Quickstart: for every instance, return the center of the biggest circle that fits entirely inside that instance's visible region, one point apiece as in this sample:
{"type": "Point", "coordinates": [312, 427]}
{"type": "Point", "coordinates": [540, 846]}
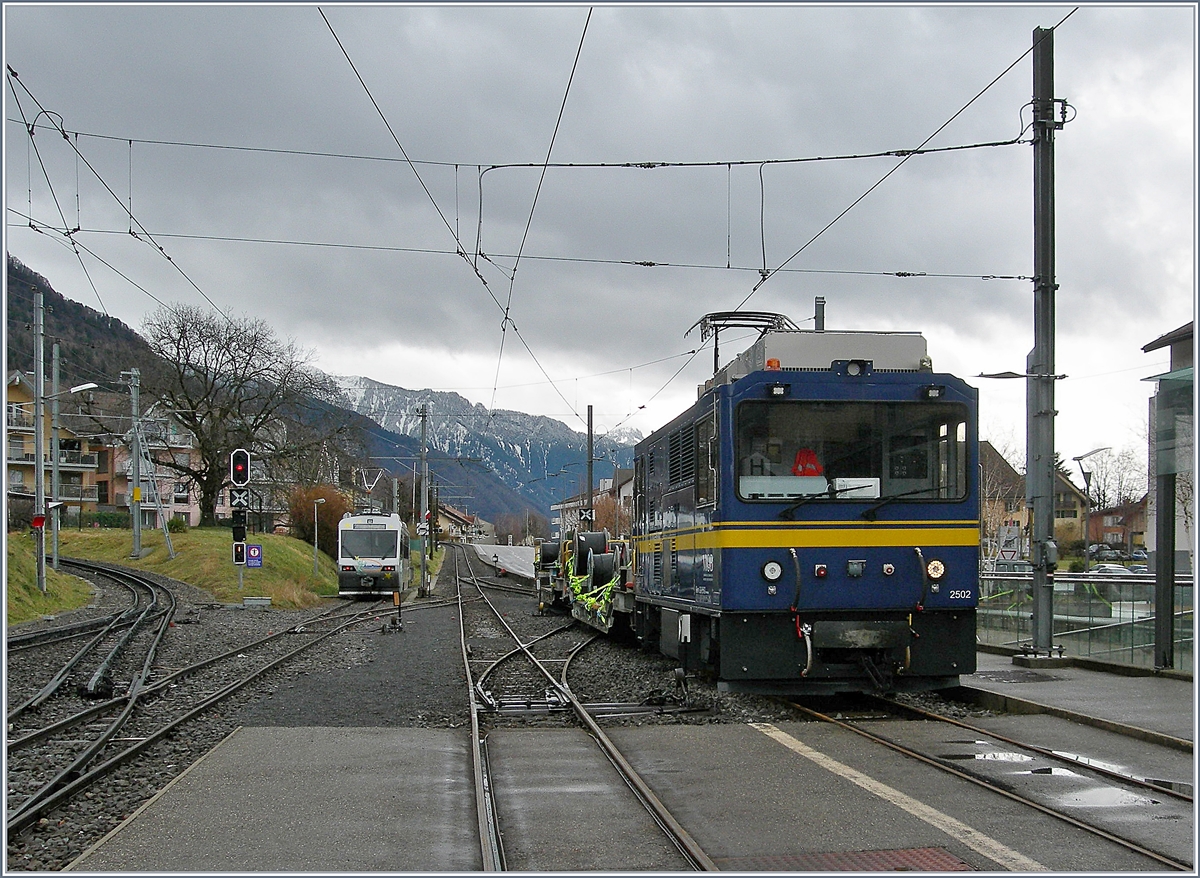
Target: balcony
{"type": "Point", "coordinates": [82, 459]}
{"type": "Point", "coordinates": [169, 440]}
{"type": "Point", "coordinates": [71, 459]}
{"type": "Point", "coordinates": [81, 493]}
{"type": "Point", "coordinates": [19, 420]}
{"type": "Point", "coordinates": [66, 493]}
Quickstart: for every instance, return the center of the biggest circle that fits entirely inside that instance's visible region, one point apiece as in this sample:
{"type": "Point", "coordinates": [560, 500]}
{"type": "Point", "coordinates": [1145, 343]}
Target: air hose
{"type": "Point", "coordinates": [803, 629]}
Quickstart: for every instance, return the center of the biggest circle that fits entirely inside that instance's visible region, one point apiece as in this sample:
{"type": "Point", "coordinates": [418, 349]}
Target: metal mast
{"type": "Point", "coordinates": [1040, 377]}
{"type": "Point", "coordinates": [39, 439]}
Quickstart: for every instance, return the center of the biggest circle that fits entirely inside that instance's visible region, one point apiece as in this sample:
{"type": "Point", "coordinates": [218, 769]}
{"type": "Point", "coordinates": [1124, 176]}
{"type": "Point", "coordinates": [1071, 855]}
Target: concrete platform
{"type": "Point", "coordinates": [1163, 706]}
{"type": "Point", "coordinates": [307, 800]}
{"type": "Point", "coordinates": [281, 798]}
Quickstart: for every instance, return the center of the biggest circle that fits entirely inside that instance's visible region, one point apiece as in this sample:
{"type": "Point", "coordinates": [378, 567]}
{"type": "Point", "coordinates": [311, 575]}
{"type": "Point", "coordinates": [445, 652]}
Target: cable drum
{"type": "Point", "coordinates": [601, 568]}
{"type": "Point", "coordinates": [586, 543]}
{"type": "Point", "coordinates": [548, 554]}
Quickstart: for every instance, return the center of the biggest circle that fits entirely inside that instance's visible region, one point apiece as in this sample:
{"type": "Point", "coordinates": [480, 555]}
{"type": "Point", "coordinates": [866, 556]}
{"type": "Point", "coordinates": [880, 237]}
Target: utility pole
{"type": "Point", "coordinates": [1040, 377]}
{"type": "Point", "coordinates": [39, 438]}
{"type": "Point", "coordinates": [55, 486]}
{"type": "Point", "coordinates": [591, 510]}
{"type": "Point", "coordinates": [135, 493]}
{"type": "Point", "coordinates": [425, 523]}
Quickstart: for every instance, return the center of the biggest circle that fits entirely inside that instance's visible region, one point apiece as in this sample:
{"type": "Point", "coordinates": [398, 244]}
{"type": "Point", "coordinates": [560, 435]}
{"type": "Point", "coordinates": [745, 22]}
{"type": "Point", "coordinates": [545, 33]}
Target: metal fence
{"type": "Point", "coordinates": [1110, 618]}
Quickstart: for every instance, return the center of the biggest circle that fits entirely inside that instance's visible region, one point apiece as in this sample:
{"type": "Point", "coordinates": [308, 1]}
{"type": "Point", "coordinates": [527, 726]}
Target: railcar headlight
{"type": "Point", "coordinates": [936, 569]}
{"type": "Point", "coordinates": [772, 571]}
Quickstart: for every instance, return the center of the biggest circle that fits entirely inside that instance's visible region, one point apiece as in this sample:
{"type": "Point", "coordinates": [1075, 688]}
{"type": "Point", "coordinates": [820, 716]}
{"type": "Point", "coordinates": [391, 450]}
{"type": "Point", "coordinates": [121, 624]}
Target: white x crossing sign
{"type": "Point", "coordinates": [239, 498]}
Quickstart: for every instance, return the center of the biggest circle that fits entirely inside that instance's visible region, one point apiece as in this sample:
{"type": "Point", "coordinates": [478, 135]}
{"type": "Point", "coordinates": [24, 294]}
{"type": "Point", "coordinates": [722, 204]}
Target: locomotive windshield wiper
{"type": "Point", "coordinates": [869, 512]}
{"type": "Point", "coordinates": [832, 492]}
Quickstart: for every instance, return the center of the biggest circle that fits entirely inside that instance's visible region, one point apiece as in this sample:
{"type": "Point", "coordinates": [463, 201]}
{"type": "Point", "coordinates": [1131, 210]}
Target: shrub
{"type": "Point", "coordinates": [177, 526]}
{"type": "Point", "coordinates": [106, 519]}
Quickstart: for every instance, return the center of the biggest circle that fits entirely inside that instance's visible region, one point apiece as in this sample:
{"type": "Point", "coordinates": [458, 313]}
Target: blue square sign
{"type": "Point", "coordinates": [253, 555]}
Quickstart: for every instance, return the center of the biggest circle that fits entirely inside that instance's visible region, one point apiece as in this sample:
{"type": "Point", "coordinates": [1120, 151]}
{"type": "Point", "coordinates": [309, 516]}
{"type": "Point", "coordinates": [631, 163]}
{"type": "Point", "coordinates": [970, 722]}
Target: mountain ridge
{"type": "Point", "coordinates": [531, 454]}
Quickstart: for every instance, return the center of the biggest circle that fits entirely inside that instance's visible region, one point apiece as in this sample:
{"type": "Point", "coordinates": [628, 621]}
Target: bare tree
{"type": "Point", "coordinates": [232, 383]}
{"type": "Point", "coordinates": [1001, 491]}
{"type": "Point", "coordinates": [1117, 479]}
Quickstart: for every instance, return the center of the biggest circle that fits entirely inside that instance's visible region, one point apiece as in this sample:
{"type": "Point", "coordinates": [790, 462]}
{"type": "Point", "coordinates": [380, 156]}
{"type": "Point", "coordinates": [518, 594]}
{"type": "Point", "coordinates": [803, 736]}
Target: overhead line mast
{"type": "Point", "coordinates": [1039, 367]}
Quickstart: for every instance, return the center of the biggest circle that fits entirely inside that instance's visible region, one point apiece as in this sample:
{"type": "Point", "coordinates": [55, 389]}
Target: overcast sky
{"type": "Point", "coordinates": [352, 252]}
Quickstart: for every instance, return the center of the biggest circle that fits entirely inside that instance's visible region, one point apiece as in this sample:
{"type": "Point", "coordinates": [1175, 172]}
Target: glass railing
{"type": "Point", "coordinates": [1109, 618]}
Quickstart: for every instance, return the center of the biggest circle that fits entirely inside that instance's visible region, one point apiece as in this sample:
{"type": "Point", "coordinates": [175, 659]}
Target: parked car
{"type": "Point", "coordinates": [1138, 568]}
{"type": "Point", "coordinates": [1139, 555]}
{"type": "Point", "coordinates": [1111, 570]}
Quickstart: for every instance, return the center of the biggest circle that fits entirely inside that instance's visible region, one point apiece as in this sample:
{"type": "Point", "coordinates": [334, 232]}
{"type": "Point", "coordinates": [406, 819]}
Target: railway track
{"type": "Point", "coordinates": [513, 670]}
{"type": "Point", "coordinates": [112, 701]}
{"type": "Point", "coordinates": [1033, 758]}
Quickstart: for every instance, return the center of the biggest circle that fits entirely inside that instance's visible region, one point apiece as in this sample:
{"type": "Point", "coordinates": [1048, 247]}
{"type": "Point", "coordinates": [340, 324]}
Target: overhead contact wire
{"type": "Point", "coordinates": [407, 159]}
{"type": "Point", "coordinates": [532, 208]}
{"type": "Point", "coordinates": [899, 164]}
{"type": "Point", "coordinates": [149, 239]}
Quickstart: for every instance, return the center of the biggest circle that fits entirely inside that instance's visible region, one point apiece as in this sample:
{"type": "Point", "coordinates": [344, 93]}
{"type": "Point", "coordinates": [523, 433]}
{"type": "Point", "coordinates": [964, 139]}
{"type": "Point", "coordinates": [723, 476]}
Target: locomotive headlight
{"type": "Point", "coordinates": [772, 571]}
{"type": "Point", "coordinates": [936, 569]}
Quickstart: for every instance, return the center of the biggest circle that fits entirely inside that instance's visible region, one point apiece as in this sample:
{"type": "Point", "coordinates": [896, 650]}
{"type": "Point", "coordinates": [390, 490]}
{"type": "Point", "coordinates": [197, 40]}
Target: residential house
{"type": "Point", "coordinates": [165, 493]}
{"type": "Point", "coordinates": [1122, 526]}
{"type": "Point", "coordinates": [454, 525]}
{"type": "Point", "coordinates": [77, 458]}
{"type": "Point", "coordinates": [1001, 499]}
{"type": "Point", "coordinates": [612, 503]}
{"type": "Point", "coordinates": [1069, 505]}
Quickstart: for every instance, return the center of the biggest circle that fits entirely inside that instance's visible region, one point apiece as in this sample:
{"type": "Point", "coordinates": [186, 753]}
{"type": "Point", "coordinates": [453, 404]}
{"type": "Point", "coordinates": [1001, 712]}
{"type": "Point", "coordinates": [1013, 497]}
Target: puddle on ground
{"type": "Point", "coordinates": [1106, 797]}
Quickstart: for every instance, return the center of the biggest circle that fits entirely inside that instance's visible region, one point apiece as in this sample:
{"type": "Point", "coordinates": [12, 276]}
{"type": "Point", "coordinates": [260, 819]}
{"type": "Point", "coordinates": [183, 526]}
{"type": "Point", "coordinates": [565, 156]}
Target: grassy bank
{"type": "Point", "coordinates": [24, 600]}
{"type": "Point", "coordinates": [203, 558]}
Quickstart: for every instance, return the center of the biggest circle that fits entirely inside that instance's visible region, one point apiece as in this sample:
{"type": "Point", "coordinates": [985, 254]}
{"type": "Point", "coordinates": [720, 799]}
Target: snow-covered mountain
{"type": "Point", "coordinates": [539, 457]}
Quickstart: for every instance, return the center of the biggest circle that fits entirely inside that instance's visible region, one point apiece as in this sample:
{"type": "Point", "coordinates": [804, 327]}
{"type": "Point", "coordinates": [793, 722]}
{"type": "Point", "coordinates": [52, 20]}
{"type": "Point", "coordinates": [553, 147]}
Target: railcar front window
{"type": "Point", "coordinates": [368, 544]}
{"type": "Point", "coordinates": [851, 450]}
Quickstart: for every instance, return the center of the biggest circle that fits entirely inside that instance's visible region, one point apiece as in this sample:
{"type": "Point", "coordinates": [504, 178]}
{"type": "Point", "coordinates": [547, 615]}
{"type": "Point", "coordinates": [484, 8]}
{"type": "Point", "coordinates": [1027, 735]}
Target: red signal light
{"type": "Point", "coordinates": [239, 467]}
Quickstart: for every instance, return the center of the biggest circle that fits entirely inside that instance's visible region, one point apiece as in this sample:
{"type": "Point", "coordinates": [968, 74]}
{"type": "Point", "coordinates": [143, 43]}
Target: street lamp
{"type": "Point", "coordinates": [316, 503]}
{"type": "Point", "coordinates": [1087, 509]}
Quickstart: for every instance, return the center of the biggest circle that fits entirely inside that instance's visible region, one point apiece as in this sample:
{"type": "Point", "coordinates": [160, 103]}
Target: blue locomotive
{"type": "Point", "coordinates": [810, 524]}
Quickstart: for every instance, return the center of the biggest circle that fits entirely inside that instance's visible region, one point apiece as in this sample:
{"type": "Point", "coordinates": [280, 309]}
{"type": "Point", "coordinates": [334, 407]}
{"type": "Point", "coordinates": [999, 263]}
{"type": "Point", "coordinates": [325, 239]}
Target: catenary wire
{"type": "Point", "coordinates": [409, 161]}
{"type": "Point", "coordinates": [533, 207]}
{"type": "Point", "coordinates": [640, 263]}
{"type": "Point", "coordinates": [13, 77]}
{"type": "Point", "coordinates": [767, 275]}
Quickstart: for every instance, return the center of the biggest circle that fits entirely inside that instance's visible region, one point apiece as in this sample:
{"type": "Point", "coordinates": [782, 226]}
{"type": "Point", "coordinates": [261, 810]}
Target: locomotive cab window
{"type": "Point", "coordinates": [851, 451]}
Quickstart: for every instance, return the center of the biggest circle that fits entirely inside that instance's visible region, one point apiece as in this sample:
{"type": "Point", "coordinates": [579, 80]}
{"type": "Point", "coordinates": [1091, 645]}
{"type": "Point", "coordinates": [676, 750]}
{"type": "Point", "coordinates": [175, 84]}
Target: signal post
{"type": "Point", "coordinates": [239, 500]}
